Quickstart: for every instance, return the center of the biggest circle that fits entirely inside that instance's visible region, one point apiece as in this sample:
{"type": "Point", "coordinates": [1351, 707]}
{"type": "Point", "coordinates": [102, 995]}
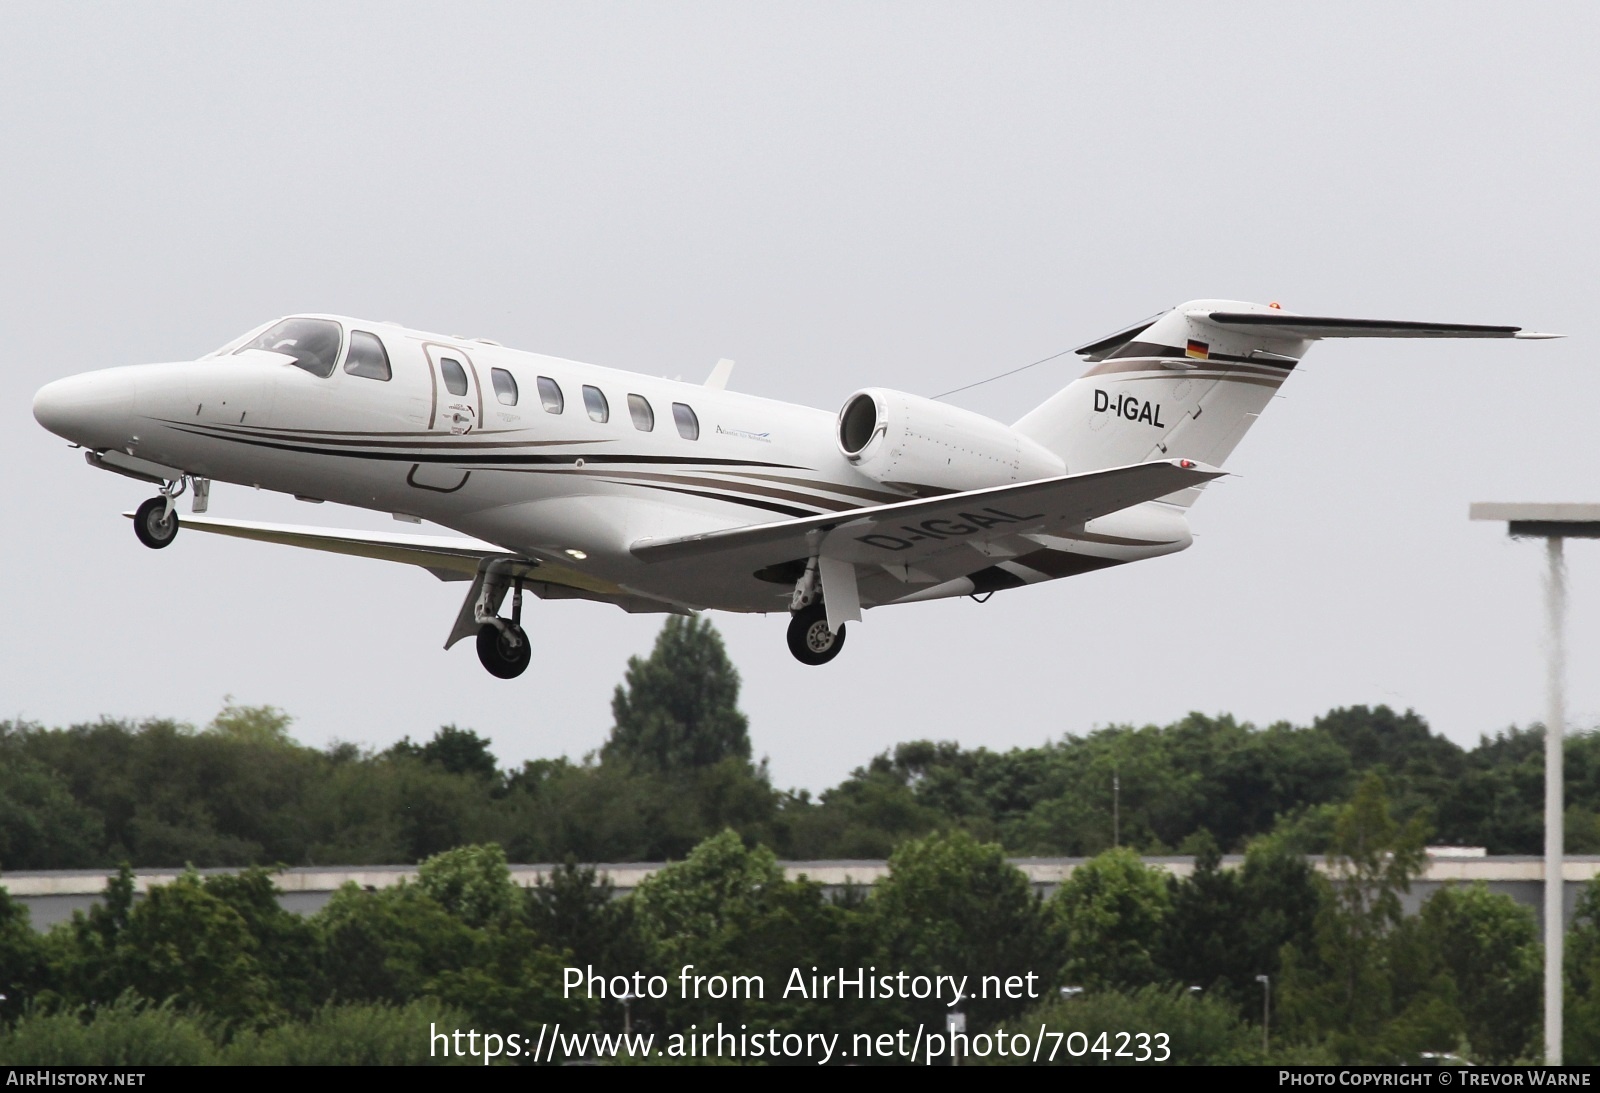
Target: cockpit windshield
{"type": "Point", "coordinates": [313, 343]}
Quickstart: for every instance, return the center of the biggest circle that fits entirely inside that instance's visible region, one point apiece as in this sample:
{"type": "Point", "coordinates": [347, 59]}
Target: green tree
{"type": "Point", "coordinates": [1204, 933]}
{"type": "Point", "coordinates": [361, 1034]}
{"type": "Point", "coordinates": [1281, 896]}
{"type": "Point", "coordinates": [126, 1032]}
{"type": "Point", "coordinates": [389, 809]}
{"type": "Point", "coordinates": [512, 981]}
{"type": "Point", "coordinates": [253, 724]}
{"type": "Point", "coordinates": [181, 943]}
{"type": "Point", "coordinates": [1581, 1030]}
{"type": "Point", "coordinates": [1196, 1031]}
{"type": "Point", "coordinates": [1110, 913]}
{"type": "Point", "coordinates": [459, 751]}
{"type": "Point", "coordinates": [1489, 943]}
{"type": "Point", "coordinates": [390, 945]}
{"type": "Point", "coordinates": [41, 826]}
{"type": "Point", "coordinates": [1375, 991]}
{"type": "Point", "coordinates": [678, 709]}
{"type": "Point", "coordinates": [22, 958]}
{"type": "Point", "coordinates": [728, 910]}
{"type": "Point", "coordinates": [471, 882]}
{"type": "Point", "coordinates": [954, 906]}
{"type": "Point", "coordinates": [574, 908]}
{"type": "Point", "coordinates": [286, 947]}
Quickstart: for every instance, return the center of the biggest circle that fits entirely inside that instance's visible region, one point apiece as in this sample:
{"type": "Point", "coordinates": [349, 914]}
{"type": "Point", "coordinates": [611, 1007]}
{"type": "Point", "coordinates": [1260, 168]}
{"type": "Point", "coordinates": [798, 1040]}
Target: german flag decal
{"type": "Point", "coordinates": [1198, 349]}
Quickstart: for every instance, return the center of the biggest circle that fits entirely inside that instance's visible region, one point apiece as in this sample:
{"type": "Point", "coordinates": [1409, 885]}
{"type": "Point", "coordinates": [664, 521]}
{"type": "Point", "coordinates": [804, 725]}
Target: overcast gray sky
{"type": "Point", "coordinates": [835, 195]}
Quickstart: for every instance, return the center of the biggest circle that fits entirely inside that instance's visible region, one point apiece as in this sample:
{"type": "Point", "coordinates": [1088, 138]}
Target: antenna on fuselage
{"type": "Point", "coordinates": [718, 380]}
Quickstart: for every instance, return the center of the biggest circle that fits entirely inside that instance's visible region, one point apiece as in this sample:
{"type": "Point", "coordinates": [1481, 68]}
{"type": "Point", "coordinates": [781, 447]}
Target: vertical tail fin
{"type": "Point", "coordinates": [1191, 382]}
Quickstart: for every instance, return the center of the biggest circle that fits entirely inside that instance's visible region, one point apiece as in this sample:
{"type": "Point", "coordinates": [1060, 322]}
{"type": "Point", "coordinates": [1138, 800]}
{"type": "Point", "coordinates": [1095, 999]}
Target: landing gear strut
{"type": "Point", "coordinates": [810, 640]}
{"type": "Point", "coordinates": [156, 521]}
{"type": "Point", "coordinates": [503, 647]}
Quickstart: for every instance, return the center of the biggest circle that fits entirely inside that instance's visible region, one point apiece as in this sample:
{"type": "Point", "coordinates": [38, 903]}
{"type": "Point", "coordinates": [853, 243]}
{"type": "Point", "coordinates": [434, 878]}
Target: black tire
{"type": "Point", "coordinates": [505, 653]}
{"type": "Point", "coordinates": [153, 531]}
{"type": "Point", "coordinates": [810, 640]}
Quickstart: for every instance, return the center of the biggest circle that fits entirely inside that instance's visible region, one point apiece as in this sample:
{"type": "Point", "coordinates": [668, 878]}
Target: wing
{"type": "Point", "coordinates": [936, 534]}
{"type": "Point", "coordinates": [450, 558]}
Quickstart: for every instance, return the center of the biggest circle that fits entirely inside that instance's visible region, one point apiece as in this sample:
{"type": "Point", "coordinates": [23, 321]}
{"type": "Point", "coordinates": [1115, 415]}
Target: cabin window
{"type": "Point", "coordinates": [455, 377]}
{"type": "Point", "coordinates": [644, 418]}
{"type": "Point", "coordinates": [688, 425]}
{"type": "Point", "coordinates": [313, 343]}
{"type": "Point", "coordinates": [366, 356]}
{"type": "Point", "coordinates": [505, 386]}
{"type": "Point", "coordinates": [550, 395]}
{"type": "Point", "coordinates": [595, 402]}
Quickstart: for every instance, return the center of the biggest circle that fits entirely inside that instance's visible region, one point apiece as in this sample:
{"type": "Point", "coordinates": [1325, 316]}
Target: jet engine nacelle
{"type": "Point", "coordinates": [904, 440]}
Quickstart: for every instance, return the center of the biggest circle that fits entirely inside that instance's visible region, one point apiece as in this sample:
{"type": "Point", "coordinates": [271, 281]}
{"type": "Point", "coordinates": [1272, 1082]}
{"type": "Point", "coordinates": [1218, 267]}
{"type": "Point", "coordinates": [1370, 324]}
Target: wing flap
{"type": "Point", "coordinates": [439, 554]}
{"type": "Point", "coordinates": [916, 533]}
{"type": "Point", "coordinates": [450, 558]}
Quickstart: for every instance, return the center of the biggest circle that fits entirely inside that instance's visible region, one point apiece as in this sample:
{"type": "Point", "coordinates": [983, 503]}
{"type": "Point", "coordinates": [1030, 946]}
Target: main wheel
{"type": "Point", "coordinates": [505, 653]}
{"type": "Point", "coordinates": [810, 640]}
{"type": "Point", "coordinates": [154, 527]}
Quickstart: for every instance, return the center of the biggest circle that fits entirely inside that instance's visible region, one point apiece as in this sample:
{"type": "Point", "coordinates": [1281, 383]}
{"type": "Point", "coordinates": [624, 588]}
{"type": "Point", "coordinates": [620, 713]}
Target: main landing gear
{"type": "Point", "coordinates": [810, 640]}
{"type": "Point", "coordinates": [503, 647]}
{"type": "Point", "coordinates": [156, 521]}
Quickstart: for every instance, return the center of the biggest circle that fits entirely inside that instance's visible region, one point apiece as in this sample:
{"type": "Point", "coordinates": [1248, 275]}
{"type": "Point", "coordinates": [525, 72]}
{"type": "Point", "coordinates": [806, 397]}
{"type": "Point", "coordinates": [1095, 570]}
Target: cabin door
{"type": "Point", "coordinates": [457, 397]}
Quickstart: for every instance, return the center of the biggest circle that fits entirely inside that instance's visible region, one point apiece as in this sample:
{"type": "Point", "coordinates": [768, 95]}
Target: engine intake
{"type": "Point", "coordinates": [912, 442]}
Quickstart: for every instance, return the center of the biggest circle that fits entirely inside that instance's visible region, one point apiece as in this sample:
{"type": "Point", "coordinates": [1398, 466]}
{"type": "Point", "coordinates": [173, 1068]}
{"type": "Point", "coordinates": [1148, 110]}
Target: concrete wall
{"type": "Point", "coordinates": [52, 896]}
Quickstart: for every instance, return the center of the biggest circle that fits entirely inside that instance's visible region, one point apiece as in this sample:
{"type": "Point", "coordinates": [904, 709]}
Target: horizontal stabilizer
{"type": "Point", "coordinates": [906, 532]}
{"type": "Point", "coordinates": [1316, 326]}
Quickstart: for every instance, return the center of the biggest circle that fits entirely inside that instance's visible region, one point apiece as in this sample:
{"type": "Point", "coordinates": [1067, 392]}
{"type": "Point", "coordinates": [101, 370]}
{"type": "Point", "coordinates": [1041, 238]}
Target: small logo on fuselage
{"type": "Point", "coordinates": [745, 434]}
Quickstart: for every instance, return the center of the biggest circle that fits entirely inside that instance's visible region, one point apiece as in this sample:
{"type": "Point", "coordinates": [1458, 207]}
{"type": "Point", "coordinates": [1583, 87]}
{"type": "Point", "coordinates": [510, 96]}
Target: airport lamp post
{"type": "Point", "coordinates": [1554, 524]}
{"type": "Point", "coordinates": [1266, 1009]}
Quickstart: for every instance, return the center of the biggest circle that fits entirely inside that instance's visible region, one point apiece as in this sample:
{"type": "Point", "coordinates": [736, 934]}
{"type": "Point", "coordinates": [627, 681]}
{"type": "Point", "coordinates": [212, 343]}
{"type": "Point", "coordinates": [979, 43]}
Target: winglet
{"type": "Point", "coordinates": [718, 380]}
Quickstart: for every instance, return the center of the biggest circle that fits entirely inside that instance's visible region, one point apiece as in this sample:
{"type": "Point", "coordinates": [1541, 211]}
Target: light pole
{"type": "Point", "coordinates": [626, 998]}
{"type": "Point", "coordinates": [1266, 1009]}
{"type": "Point", "coordinates": [1554, 524]}
{"type": "Point", "coordinates": [1116, 808]}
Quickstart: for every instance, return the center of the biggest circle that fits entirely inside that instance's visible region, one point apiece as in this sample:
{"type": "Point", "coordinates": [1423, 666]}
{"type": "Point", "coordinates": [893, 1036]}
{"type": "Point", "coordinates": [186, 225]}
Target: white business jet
{"type": "Point", "coordinates": [577, 481]}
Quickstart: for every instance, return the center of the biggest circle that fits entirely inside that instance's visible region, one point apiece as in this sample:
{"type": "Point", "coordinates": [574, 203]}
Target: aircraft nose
{"type": "Point", "coordinates": [94, 409]}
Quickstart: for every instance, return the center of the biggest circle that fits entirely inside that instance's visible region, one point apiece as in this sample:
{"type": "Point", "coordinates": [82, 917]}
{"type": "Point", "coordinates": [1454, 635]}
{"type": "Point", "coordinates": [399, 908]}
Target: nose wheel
{"type": "Point", "coordinates": [810, 640]}
{"type": "Point", "coordinates": [156, 522]}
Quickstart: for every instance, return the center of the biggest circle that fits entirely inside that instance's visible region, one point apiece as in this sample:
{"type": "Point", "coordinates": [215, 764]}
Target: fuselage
{"type": "Point", "coordinates": [556, 460]}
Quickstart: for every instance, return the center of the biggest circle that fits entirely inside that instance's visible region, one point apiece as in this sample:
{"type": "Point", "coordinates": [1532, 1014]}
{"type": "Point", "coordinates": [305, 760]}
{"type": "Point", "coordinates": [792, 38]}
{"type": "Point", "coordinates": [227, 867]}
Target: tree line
{"type": "Point", "coordinates": [211, 968]}
{"type": "Point", "coordinates": [677, 769]}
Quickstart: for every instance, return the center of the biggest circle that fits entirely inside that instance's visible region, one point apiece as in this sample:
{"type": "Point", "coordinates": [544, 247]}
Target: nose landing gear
{"type": "Point", "coordinates": [156, 521]}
